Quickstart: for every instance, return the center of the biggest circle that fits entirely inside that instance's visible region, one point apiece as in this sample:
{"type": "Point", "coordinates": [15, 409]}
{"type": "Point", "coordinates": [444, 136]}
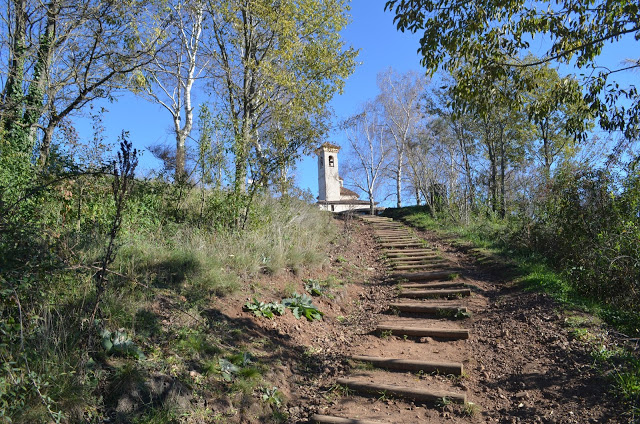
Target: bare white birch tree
{"type": "Point", "coordinates": [400, 98]}
{"type": "Point", "coordinates": [170, 78]}
{"type": "Point", "coordinates": [369, 151]}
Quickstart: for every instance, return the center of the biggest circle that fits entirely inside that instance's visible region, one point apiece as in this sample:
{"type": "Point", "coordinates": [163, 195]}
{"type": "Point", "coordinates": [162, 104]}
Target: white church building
{"type": "Point", "coordinates": [333, 196]}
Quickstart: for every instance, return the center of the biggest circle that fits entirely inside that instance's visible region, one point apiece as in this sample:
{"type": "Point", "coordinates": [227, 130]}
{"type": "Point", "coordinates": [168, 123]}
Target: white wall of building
{"type": "Point", "coordinates": [328, 177]}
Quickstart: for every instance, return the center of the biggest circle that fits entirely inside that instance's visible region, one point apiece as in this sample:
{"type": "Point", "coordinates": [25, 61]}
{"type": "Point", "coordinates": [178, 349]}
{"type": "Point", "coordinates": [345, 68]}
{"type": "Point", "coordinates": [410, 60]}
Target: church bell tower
{"type": "Point", "coordinates": [328, 177]}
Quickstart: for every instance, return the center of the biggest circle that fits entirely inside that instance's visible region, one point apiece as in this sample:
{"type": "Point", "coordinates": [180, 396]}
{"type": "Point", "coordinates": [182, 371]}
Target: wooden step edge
{"type": "Point", "coordinates": [432, 259]}
{"type": "Point", "coordinates": [453, 368]}
{"type": "Point", "coordinates": [418, 267]}
{"type": "Point", "coordinates": [418, 249]}
{"type": "Point", "coordinates": [383, 246]}
{"type": "Point", "coordinates": [423, 265]}
{"type": "Point", "coordinates": [428, 309]}
{"type": "Point", "coordinates": [440, 333]}
{"type": "Point", "coordinates": [415, 258]}
{"type": "Point", "coordinates": [436, 285]}
{"type": "Point", "coordinates": [421, 262]}
{"type": "Point", "coordinates": [424, 276]}
{"type": "Point", "coordinates": [329, 419]}
{"type": "Point", "coordinates": [408, 254]}
{"type": "Point", "coordinates": [422, 250]}
{"type": "Point", "coordinates": [398, 230]}
{"type": "Point", "coordinates": [435, 293]}
{"type": "Point", "coordinates": [422, 395]}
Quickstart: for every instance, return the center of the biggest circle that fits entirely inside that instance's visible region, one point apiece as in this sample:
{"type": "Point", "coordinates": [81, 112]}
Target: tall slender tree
{"type": "Point", "coordinates": [369, 150]}
{"type": "Point", "coordinates": [276, 65]}
{"type": "Point", "coordinates": [169, 79]}
{"type": "Point", "coordinates": [400, 97]}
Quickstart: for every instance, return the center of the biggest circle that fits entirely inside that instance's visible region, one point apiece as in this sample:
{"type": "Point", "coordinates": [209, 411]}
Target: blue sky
{"type": "Point", "coordinates": [381, 46]}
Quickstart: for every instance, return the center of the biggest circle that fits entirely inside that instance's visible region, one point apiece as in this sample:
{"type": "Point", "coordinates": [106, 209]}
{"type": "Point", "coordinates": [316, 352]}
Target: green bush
{"type": "Point", "coordinates": [588, 225]}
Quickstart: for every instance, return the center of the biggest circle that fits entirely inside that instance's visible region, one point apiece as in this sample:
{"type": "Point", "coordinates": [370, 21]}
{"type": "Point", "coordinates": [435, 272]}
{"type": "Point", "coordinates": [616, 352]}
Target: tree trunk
{"type": "Point", "coordinates": [546, 149]}
{"type": "Point", "coordinates": [34, 101]}
{"type": "Point", "coordinates": [503, 201]}
{"type": "Point", "coordinates": [180, 173]}
{"type": "Point", "coordinates": [241, 158]}
{"type": "Point", "coordinates": [372, 204]}
{"type": "Point", "coordinates": [12, 96]}
{"type": "Point", "coordinates": [468, 175]}
{"type": "Point", "coordinates": [45, 146]}
{"type": "Point", "coordinates": [493, 177]}
{"type": "Point", "coordinates": [399, 179]}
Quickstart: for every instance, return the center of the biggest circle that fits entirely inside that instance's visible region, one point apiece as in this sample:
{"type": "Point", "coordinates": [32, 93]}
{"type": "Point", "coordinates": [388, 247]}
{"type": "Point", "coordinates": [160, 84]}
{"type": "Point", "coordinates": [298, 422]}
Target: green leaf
{"type": "Point", "coordinates": [227, 369]}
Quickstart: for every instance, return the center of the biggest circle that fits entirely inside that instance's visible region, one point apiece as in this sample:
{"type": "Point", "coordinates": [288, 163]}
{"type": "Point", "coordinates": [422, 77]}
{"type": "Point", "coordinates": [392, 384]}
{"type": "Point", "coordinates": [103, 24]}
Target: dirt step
{"type": "Point", "coordinates": [454, 368]}
{"type": "Point", "coordinates": [386, 226]}
{"type": "Point", "coordinates": [406, 253]}
{"type": "Point", "coordinates": [400, 240]}
{"type": "Point", "coordinates": [414, 256]}
{"type": "Point", "coordinates": [388, 239]}
{"type": "Point", "coordinates": [402, 245]}
{"type": "Point", "coordinates": [419, 294]}
{"type": "Point", "coordinates": [415, 260]}
{"type": "Point", "coordinates": [440, 333]}
{"type": "Point", "coordinates": [423, 308]}
{"type": "Point", "coordinates": [418, 256]}
{"type": "Point", "coordinates": [428, 286]}
{"type": "Point", "coordinates": [391, 231]}
{"type": "Point", "coordinates": [416, 394]}
{"type": "Point", "coordinates": [423, 276]}
{"type": "Point", "coordinates": [328, 419]}
{"type": "Point", "coordinates": [421, 267]}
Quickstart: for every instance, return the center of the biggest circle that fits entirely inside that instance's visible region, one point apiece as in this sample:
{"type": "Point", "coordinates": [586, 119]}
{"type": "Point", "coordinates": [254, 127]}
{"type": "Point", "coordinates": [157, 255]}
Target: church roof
{"type": "Point", "coordinates": [344, 202]}
{"type": "Point", "coordinates": [346, 192]}
{"type": "Point", "coordinates": [328, 146]}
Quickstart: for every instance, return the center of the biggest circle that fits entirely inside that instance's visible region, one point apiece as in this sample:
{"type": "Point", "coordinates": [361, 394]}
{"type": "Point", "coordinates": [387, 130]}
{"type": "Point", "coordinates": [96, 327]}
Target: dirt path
{"type": "Point", "coordinates": [464, 345]}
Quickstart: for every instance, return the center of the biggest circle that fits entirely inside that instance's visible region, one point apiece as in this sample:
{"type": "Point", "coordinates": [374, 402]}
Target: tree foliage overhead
{"type": "Point", "coordinates": [276, 65]}
{"type": "Point", "coordinates": [487, 35]}
{"type": "Point", "coordinates": [59, 56]}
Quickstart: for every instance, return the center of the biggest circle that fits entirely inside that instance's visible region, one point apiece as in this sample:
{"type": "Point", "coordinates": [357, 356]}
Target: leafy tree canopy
{"type": "Point", "coordinates": [488, 34]}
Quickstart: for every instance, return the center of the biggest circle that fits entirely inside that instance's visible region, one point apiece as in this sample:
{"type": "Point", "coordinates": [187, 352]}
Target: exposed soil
{"type": "Point", "coordinates": [521, 364]}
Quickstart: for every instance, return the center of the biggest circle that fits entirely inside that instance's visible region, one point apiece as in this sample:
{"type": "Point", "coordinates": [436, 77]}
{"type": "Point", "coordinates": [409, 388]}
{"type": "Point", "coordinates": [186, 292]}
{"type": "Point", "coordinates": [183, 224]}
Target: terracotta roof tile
{"type": "Point", "coordinates": [346, 192]}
